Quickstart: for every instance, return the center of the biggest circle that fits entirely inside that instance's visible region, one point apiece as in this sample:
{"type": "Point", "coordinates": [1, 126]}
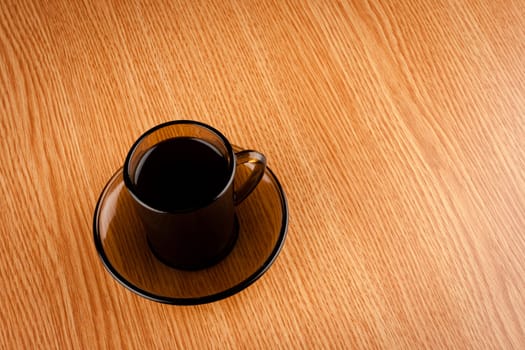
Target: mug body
{"type": "Point", "coordinates": [180, 176]}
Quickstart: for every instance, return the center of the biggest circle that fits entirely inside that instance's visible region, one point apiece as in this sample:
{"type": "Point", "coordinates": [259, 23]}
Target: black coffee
{"type": "Point", "coordinates": [181, 173]}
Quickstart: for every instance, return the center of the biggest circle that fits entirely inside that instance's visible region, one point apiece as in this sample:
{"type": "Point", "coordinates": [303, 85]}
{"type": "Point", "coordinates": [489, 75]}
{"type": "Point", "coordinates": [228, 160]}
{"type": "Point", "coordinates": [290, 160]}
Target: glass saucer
{"type": "Point", "coordinates": [121, 242]}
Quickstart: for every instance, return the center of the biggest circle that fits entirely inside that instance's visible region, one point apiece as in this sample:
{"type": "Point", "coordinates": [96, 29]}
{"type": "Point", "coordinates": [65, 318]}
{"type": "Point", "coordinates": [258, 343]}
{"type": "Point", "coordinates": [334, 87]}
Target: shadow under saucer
{"type": "Point", "coordinates": [121, 242]}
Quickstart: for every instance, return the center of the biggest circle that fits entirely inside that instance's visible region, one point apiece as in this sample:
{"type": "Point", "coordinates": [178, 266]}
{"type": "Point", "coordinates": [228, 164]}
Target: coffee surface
{"type": "Point", "coordinates": [181, 173]}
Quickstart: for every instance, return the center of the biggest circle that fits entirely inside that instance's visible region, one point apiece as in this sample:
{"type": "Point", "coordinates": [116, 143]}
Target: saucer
{"type": "Point", "coordinates": [122, 245]}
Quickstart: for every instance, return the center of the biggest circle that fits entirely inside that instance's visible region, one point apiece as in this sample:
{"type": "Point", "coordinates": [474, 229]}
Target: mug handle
{"type": "Point", "coordinates": [259, 162]}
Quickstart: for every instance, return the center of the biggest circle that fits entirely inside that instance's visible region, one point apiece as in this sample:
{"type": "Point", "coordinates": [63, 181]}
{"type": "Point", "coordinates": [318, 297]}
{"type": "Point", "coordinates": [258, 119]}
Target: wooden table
{"type": "Point", "coordinates": [396, 129]}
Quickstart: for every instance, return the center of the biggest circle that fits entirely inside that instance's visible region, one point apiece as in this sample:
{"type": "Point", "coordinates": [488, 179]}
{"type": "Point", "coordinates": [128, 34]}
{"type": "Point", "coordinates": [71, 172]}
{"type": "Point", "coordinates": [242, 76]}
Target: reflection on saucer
{"type": "Point", "coordinates": [121, 241]}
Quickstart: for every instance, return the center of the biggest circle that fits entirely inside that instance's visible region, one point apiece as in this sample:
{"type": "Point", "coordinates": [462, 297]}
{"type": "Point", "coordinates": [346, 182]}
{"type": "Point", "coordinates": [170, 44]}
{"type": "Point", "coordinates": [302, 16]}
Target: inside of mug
{"type": "Point", "coordinates": [174, 130]}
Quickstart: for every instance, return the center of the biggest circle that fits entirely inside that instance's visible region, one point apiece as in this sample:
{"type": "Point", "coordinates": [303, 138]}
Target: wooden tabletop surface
{"type": "Point", "coordinates": [395, 127]}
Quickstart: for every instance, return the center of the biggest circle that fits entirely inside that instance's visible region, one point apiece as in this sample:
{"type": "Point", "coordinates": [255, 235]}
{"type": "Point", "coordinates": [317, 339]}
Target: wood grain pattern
{"type": "Point", "coordinates": [396, 129]}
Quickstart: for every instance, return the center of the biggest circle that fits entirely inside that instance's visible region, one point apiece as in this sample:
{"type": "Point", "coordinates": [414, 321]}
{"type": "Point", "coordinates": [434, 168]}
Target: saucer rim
{"type": "Point", "coordinates": [246, 282]}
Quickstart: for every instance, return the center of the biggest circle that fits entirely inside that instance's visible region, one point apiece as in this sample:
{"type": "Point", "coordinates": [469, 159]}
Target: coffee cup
{"type": "Point", "coordinates": [180, 175]}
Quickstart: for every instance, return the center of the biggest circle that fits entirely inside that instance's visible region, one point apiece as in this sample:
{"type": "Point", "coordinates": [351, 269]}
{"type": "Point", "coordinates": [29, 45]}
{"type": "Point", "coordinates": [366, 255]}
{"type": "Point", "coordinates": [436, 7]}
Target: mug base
{"type": "Point", "coordinates": [204, 264]}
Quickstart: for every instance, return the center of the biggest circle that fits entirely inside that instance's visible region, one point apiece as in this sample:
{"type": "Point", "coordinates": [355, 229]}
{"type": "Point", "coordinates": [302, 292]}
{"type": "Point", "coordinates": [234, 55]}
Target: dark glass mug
{"type": "Point", "coordinates": [191, 225]}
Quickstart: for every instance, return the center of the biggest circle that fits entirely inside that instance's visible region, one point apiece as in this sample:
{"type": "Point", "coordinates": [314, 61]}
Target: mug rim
{"type": "Point", "coordinates": [231, 170]}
